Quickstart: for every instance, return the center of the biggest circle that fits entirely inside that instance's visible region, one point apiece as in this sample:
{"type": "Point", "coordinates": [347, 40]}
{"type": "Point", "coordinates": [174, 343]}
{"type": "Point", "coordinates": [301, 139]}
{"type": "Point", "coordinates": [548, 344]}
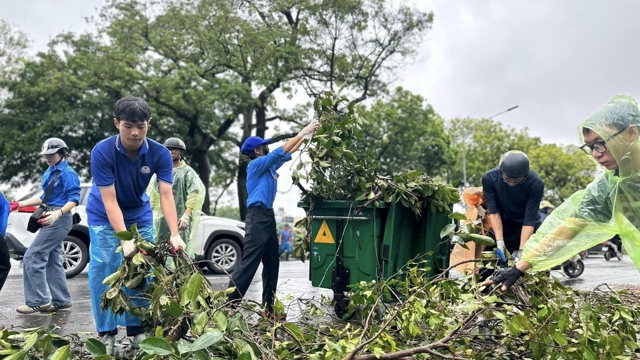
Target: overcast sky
{"type": "Point", "coordinates": [558, 60]}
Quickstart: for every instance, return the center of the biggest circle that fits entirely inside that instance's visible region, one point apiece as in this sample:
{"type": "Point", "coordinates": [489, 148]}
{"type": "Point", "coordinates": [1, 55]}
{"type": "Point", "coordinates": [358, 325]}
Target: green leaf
{"type": "Point", "coordinates": [200, 322]}
{"type": "Point", "coordinates": [62, 353]}
{"type": "Point", "coordinates": [184, 347]}
{"type": "Point", "coordinates": [294, 330]}
{"type": "Point", "coordinates": [560, 338]}
{"type": "Point", "coordinates": [112, 293]}
{"type": "Point", "coordinates": [124, 235]}
{"type": "Point", "coordinates": [138, 259]}
{"type": "Point", "coordinates": [17, 356]}
{"type": "Point", "coordinates": [95, 347]}
{"type": "Point", "coordinates": [109, 280]}
{"type": "Point", "coordinates": [192, 289]}
{"type": "Point", "coordinates": [447, 230]}
{"type": "Point", "coordinates": [207, 339]}
{"type": "Point", "coordinates": [458, 216]}
{"type": "Point", "coordinates": [173, 309]}
{"type": "Point", "coordinates": [220, 319]}
{"type": "Point", "coordinates": [481, 239]}
{"type": "Point", "coordinates": [155, 346]}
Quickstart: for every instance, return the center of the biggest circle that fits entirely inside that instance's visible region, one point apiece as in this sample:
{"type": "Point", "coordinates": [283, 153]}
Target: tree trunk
{"type": "Point", "coordinates": [242, 187]}
{"type": "Point", "coordinates": [242, 166]}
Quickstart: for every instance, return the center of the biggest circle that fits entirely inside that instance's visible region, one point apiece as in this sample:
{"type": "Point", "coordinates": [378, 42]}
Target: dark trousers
{"type": "Point", "coordinates": [5, 262]}
{"type": "Point", "coordinates": [260, 245]}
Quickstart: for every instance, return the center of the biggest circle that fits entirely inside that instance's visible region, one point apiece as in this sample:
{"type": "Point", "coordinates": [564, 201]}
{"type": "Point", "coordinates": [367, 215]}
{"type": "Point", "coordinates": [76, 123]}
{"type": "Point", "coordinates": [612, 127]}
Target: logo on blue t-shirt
{"type": "Point", "coordinates": [145, 170]}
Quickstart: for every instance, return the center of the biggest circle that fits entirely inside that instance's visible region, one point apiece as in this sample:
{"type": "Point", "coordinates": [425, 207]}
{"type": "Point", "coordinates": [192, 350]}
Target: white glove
{"type": "Point", "coordinates": [176, 243]}
{"type": "Point", "coordinates": [311, 128]}
{"type": "Point", "coordinates": [129, 248]}
{"type": "Point", "coordinates": [49, 217]}
{"type": "Point", "coordinates": [183, 223]}
{"type": "Point", "coordinates": [500, 245]}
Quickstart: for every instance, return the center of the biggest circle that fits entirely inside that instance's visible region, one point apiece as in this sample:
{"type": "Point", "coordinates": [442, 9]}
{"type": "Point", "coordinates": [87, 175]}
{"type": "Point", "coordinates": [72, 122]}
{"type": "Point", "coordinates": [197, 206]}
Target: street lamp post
{"type": "Point", "coordinates": [465, 136]}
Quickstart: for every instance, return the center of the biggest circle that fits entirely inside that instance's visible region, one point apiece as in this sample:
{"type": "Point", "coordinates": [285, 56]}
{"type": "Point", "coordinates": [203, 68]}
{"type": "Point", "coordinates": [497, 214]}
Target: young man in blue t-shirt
{"type": "Point", "coordinates": [122, 166]}
{"type": "Point", "coordinates": [261, 240]}
{"type": "Point", "coordinates": [285, 240]}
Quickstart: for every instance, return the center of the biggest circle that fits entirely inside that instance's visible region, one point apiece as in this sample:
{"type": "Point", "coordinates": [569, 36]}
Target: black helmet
{"type": "Point", "coordinates": [175, 143]}
{"type": "Point", "coordinates": [514, 164]}
{"type": "Point", "coordinates": [52, 146]}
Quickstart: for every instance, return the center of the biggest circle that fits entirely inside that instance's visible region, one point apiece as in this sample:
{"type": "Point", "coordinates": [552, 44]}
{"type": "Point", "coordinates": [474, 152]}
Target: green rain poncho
{"type": "Point", "coordinates": [188, 192]}
{"type": "Point", "coordinates": [609, 205]}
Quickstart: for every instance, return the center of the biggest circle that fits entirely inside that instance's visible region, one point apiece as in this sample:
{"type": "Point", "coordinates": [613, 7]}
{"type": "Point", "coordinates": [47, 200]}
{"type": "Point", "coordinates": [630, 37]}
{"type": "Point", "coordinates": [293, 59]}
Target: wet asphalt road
{"type": "Point", "coordinates": [294, 280]}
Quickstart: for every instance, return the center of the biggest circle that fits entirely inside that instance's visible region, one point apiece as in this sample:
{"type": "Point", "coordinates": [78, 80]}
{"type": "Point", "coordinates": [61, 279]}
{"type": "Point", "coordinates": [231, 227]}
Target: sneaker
{"type": "Point", "coordinates": [274, 317]}
{"type": "Point", "coordinates": [136, 340]}
{"type": "Point", "coordinates": [26, 309]}
{"type": "Point", "coordinates": [109, 342]}
{"type": "Point", "coordinates": [56, 307]}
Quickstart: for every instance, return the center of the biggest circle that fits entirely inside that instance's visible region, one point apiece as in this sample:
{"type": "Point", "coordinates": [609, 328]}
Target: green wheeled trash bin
{"type": "Point", "coordinates": [352, 242]}
{"type": "Point", "coordinates": [345, 241]}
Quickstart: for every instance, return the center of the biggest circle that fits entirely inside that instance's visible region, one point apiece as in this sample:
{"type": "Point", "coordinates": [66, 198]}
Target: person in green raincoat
{"type": "Point", "coordinates": [188, 191]}
{"type": "Point", "coordinates": [609, 205]}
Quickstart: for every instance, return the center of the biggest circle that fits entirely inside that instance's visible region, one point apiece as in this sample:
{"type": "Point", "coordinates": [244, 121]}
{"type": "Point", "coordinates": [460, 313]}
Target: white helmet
{"type": "Point", "coordinates": [52, 146]}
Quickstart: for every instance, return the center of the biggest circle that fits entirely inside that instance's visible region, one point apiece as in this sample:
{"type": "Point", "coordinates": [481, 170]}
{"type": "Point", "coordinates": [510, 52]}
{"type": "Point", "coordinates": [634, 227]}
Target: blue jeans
{"type": "Point", "coordinates": [104, 261]}
{"type": "Point", "coordinates": [44, 278]}
{"type": "Point", "coordinates": [285, 246]}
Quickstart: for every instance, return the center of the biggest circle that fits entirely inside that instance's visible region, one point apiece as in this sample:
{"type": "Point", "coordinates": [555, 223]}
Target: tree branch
{"type": "Point", "coordinates": [275, 139]}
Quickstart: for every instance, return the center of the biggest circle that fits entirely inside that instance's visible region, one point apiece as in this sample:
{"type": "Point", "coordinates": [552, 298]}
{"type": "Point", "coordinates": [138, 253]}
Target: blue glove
{"type": "Point", "coordinates": [503, 259]}
{"type": "Point", "coordinates": [500, 252]}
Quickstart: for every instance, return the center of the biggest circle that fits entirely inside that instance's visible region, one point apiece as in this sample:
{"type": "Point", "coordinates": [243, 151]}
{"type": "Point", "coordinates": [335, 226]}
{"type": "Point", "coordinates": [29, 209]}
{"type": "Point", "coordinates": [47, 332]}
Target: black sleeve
{"type": "Point", "coordinates": [532, 212]}
{"type": "Point", "coordinates": [489, 192]}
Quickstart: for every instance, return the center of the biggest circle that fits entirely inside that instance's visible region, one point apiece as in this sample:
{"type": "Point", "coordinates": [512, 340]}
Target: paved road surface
{"type": "Point", "coordinates": [293, 281]}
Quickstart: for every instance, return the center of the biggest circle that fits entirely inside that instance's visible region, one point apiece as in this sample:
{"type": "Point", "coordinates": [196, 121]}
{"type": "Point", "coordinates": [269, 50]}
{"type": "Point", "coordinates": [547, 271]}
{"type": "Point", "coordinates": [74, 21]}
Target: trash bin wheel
{"type": "Point", "coordinates": [342, 309]}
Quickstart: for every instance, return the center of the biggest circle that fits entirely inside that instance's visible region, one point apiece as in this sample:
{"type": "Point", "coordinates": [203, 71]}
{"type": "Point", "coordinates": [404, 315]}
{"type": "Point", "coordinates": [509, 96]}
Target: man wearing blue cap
{"type": "Point", "coordinates": [261, 240]}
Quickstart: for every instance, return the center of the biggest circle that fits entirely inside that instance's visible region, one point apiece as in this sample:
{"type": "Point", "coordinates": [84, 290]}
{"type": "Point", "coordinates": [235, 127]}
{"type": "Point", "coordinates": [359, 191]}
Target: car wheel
{"type": "Point", "coordinates": [223, 256]}
{"type": "Point", "coordinates": [74, 256]}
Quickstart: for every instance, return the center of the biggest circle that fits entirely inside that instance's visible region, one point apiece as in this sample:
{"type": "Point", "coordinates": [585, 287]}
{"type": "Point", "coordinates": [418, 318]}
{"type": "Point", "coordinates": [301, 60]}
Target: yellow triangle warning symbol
{"type": "Point", "coordinates": [324, 234]}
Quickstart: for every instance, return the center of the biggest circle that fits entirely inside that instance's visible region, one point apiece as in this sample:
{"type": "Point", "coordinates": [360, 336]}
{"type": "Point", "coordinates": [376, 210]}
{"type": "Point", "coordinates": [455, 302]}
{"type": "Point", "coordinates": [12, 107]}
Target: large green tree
{"type": "Point", "coordinates": [210, 69]}
{"type": "Point", "coordinates": [564, 170]}
{"type": "Point", "coordinates": [404, 133]}
{"type": "Point", "coordinates": [483, 141]}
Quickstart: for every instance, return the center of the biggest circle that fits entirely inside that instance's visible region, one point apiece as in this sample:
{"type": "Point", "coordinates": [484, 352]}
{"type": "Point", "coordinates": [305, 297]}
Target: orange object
{"type": "Point", "coordinates": [474, 197]}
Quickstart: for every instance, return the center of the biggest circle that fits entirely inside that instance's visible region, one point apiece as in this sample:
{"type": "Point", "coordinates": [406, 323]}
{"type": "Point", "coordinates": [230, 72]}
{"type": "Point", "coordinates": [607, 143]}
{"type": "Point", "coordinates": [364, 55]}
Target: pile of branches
{"type": "Point", "coordinates": [407, 316]}
{"type": "Point", "coordinates": [336, 173]}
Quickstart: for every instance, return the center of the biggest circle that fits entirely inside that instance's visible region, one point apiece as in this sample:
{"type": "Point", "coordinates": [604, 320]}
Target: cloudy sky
{"type": "Point", "coordinates": [558, 60]}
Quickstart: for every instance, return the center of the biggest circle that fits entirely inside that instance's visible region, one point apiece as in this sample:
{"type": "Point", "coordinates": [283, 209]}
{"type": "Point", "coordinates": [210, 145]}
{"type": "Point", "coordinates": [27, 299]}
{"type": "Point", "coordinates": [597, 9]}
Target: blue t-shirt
{"type": "Point", "coordinates": [286, 236]}
{"type": "Point", "coordinates": [111, 166]}
{"type": "Point", "coordinates": [262, 178]}
{"type": "Point", "coordinates": [65, 189]}
{"type": "Point", "coordinates": [5, 209]}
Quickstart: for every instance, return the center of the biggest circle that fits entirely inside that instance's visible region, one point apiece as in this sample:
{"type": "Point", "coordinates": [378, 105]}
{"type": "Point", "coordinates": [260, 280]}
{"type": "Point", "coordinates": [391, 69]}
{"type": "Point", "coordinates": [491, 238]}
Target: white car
{"type": "Point", "coordinates": [218, 244]}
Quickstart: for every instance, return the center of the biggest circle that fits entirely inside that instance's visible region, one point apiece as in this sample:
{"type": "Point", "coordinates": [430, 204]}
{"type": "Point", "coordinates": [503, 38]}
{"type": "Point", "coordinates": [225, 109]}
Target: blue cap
{"type": "Point", "coordinates": [251, 143]}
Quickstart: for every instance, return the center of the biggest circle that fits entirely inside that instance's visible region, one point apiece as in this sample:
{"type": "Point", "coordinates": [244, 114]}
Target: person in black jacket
{"type": "Point", "coordinates": [513, 193]}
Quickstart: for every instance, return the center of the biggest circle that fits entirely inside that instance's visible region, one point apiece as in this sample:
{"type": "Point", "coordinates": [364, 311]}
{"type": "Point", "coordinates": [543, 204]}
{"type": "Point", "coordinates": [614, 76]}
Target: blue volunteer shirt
{"type": "Point", "coordinates": [262, 178]}
{"type": "Point", "coordinates": [286, 236]}
{"type": "Point", "coordinates": [5, 209]}
{"type": "Point", "coordinates": [520, 203]}
{"type": "Point", "coordinates": [65, 189]}
{"type": "Point", "coordinates": [111, 166]}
